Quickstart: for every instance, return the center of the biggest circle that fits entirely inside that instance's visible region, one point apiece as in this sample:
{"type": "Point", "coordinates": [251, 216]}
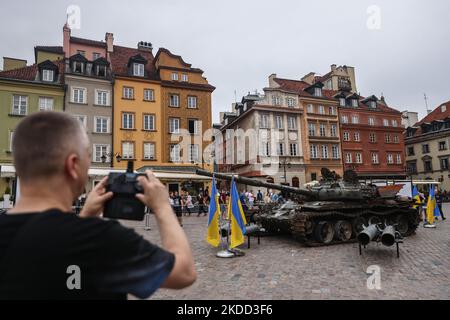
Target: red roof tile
{"type": "Point", "coordinates": [121, 56]}
{"type": "Point", "coordinates": [436, 114]}
{"type": "Point", "coordinates": [29, 73]}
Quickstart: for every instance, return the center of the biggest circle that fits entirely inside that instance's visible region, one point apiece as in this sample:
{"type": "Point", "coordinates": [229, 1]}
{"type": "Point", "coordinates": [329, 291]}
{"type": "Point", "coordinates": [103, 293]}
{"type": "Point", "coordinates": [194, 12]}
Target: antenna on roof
{"type": "Point", "coordinates": [235, 96]}
{"type": "Point", "coordinates": [426, 102]}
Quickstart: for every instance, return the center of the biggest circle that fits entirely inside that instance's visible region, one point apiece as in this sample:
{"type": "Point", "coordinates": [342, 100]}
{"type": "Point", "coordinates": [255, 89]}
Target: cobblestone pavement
{"type": "Point", "coordinates": [281, 268]}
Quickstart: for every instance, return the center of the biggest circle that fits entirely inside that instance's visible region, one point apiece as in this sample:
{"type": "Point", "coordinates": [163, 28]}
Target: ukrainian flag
{"type": "Point", "coordinates": [432, 208]}
{"type": "Point", "coordinates": [416, 197]}
{"type": "Point", "coordinates": [213, 235]}
{"type": "Point", "coordinates": [237, 217]}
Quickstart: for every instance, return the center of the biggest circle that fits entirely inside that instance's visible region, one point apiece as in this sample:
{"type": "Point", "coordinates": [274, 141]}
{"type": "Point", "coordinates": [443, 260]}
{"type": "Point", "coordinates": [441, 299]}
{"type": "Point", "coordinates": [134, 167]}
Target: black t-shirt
{"type": "Point", "coordinates": [37, 249]}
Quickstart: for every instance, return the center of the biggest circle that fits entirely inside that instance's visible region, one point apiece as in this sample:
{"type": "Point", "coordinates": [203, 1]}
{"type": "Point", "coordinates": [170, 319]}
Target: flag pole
{"type": "Point", "coordinates": [225, 252]}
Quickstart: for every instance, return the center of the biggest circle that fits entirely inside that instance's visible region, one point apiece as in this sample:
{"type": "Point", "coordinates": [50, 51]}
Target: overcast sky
{"type": "Point", "coordinates": [239, 43]}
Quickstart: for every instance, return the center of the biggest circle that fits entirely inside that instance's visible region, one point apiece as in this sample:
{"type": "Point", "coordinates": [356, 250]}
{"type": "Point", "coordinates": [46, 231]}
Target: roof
{"type": "Point", "coordinates": [88, 42]}
{"type": "Point", "coordinates": [436, 114]}
{"type": "Point", "coordinates": [121, 56]}
{"type": "Point", "coordinates": [51, 49]}
{"type": "Point", "coordinates": [184, 63]}
{"type": "Point", "coordinates": [28, 73]}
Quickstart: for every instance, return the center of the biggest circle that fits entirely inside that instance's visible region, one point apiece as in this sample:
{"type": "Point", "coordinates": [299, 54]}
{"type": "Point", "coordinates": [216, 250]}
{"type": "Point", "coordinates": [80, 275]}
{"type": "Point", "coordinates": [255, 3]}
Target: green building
{"type": "Point", "coordinates": [24, 91]}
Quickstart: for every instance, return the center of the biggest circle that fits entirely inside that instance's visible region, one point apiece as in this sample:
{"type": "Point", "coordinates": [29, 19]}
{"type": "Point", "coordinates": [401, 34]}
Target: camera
{"type": "Point", "coordinates": [124, 204]}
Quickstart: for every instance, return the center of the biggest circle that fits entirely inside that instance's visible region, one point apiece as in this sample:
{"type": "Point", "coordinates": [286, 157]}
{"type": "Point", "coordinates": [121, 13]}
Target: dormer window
{"type": "Point", "coordinates": [342, 102]}
{"type": "Point", "coordinates": [47, 75]}
{"type": "Point", "coordinates": [372, 104]}
{"type": "Point", "coordinates": [138, 69]}
{"type": "Point", "coordinates": [354, 103]}
{"type": "Point", "coordinates": [318, 92]}
{"type": "Point", "coordinates": [101, 71]}
{"type": "Point", "coordinates": [78, 67]}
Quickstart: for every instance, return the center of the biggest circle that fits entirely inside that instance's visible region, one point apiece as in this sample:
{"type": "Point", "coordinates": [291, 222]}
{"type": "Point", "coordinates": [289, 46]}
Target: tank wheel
{"type": "Point", "coordinates": [324, 232]}
{"type": "Point", "coordinates": [343, 230]}
{"type": "Point", "coordinates": [375, 220]}
{"type": "Point", "coordinates": [358, 224]}
{"type": "Point", "coordinates": [309, 227]}
{"type": "Point", "coordinates": [402, 222]}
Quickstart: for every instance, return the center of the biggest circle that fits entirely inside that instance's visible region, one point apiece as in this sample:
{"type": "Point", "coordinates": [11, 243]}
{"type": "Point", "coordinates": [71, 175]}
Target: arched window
{"type": "Point", "coordinates": [295, 182]}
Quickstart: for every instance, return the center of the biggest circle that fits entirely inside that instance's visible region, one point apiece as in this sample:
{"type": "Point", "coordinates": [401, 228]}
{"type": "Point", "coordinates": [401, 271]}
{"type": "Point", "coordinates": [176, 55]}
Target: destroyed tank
{"type": "Point", "coordinates": [334, 211]}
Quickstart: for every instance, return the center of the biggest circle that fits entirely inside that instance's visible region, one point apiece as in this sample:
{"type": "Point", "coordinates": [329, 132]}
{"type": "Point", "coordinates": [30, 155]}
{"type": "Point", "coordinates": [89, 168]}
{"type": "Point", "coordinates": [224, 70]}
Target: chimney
{"type": "Point", "coordinates": [145, 46]}
{"type": "Point", "coordinates": [66, 40]}
{"type": "Point", "coordinates": [333, 67]}
{"type": "Point", "coordinates": [109, 38]}
{"type": "Point", "coordinates": [12, 63]}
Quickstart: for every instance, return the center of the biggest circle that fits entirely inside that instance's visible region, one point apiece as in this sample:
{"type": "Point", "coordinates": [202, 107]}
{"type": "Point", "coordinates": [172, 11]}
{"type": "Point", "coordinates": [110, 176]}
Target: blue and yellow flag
{"type": "Point", "coordinates": [432, 208]}
{"type": "Point", "coordinates": [416, 197]}
{"type": "Point", "coordinates": [237, 217]}
{"type": "Point", "coordinates": [213, 235]}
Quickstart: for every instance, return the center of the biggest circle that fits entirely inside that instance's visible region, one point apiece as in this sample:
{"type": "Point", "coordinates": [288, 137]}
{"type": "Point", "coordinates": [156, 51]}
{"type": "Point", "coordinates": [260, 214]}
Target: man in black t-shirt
{"type": "Point", "coordinates": [47, 252]}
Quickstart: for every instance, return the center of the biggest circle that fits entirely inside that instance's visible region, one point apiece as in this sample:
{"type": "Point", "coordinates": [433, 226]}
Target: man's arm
{"type": "Point", "coordinates": [173, 237]}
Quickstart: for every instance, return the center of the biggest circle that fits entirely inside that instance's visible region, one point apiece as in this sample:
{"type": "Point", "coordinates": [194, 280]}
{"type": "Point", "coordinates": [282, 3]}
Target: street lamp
{"type": "Point", "coordinates": [284, 163]}
{"type": "Point", "coordinates": [105, 156]}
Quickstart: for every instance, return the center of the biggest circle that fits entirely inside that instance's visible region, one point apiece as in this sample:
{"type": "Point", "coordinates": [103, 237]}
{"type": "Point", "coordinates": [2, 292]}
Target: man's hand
{"type": "Point", "coordinates": [155, 194]}
{"type": "Point", "coordinates": [96, 200]}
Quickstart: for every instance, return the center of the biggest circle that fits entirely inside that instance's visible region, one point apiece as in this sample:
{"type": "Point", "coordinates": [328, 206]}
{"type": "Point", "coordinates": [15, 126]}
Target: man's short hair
{"type": "Point", "coordinates": [42, 141]}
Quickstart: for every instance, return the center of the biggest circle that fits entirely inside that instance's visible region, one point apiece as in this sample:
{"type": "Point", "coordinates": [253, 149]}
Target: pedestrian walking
{"type": "Point", "coordinates": [439, 200]}
{"type": "Point", "coordinates": [177, 207]}
{"type": "Point", "coordinates": [201, 205]}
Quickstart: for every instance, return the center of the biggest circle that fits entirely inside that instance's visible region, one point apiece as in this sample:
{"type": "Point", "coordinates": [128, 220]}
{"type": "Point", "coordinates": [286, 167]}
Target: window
{"type": "Point", "coordinates": [323, 130]}
{"type": "Point", "coordinates": [127, 120]}
{"type": "Point", "coordinates": [78, 67]}
{"type": "Point", "coordinates": [444, 163]}
{"type": "Point", "coordinates": [101, 71]}
{"type": "Point", "coordinates": [394, 123]}
{"type": "Point", "coordinates": [192, 102]}
{"type": "Point", "coordinates": [399, 158]}
{"type": "Point", "coordinates": [346, 136]}
{"type": "Point", "coordinates": [279, 122]}
{"type": "Point", "coordinates": [321, 110]}
{"type": "Point", "coordinates": [175, 153]}
{"type": "Point", "coordinates": [128, 93]}
{"type": "Point", "coordinates": [276, 101]}
{"type": "Point", "coordinates": [138, 69]}
{"type": "Point", "coordinates": [184, 77]}
{"type": "Point", "coordinates": [442, 145]}
{"type": "Point", "coordinates": [314, 151]}
{"type": "Point", "coordinates": [372, 104]}
{"type": "Point", "coordinates": [332, 110]}
{"type": "Point", "coordinates": [348, 158]}
{"type": "Point", "coordinates": [396, 140]}
{"type": "Point", "coordinates": [149, 151]}
{"type": "Point", "coordinates": [102, 98]}
{"type": "Point", "coordinates": [354, 103]}
{"type": "Point", "coordinates": [45, 104]}
{"type": "Point", "coordinates": [411, 167]}
{"type": "Point", "coordinates": [101, 124]}
{"type": "Point", "coordinates": [387, 138]}
{"type": "Point", "coordinates": [290, 102]}
{"type": "Point", "coordinates": [358, 157]}
{"type": "Point", "coordinates": [390, 158]}
{"type": "Point", "coordinates": [427, 165]}
{"type": "Point", "coordinates": [410, 151]}
{"type": "Point", "coordinates": [100, 150]}
{"type": "Point", "coordinates": [82, 119]}
{"type": "Point", "coordinates": [83, 53]}
{"type": "Point", "coordinates": [344, 119]}
{"type": "Point", "coordinates": [265, 149]}
{"type": "Point", "coordinates": [193, 153]}
{"type": "Point", "coordinates": [318, 92]}
{"type": "Point", "coordinates": [127, 150]}
{"type": "Point", "coordinates": [375, 158]}
{"type": "Point", "coordinates": [325, 154]}
{"type": "Point", "coordinates": [47, 75]}
{"type": "Point", "coordinates": [95, 56]}
{"type": "Point", "coordinates": [174, 100]}
{"type": "Point", "coordinates": [264, 121]}
{"type": "Point", "coordinates": [425, 148]}
{"type": "Point", "coordinates": [342, 102]}
{"type": "Point", "coordinates": [20, 105]}
{"type": "Point", "coordinates": [174, 125]}
{"type": "Point", "coordinates": [386, 122]}
{"type": "Point", "coordinates": [371, 121]}
{"type": "Point", "coordinates": [372, 137]}
{"type": "Point", "coordinates": [193, 126]}
{"type": "Point", "coordinates": [356, 136]}
{"type": "Point", "coordinates": [333, 130]}
{"type": "Point", "coordinates": [311, 129]}
{"type": "Point", "coordinates": [280, 149]}
{"type": "Point", "coordinates": [149, 95]}
{"type": "Point", "coordinates": [292, 123]}
{"type": "Point", "coordinates": [310, 108]}
{"type": "Point", "coordinates": [335, 151]}
{"type": "Point", "coordinates": [355, 119]}
{"type": "Point", "coordinates": [149, 122]}
{"type": "Point", "coordinates": [313, 176]}
{"type": "Point", "coordinates": [293, 149]}
{"type": "Point", "coordinates": [79, 95]}
{"type": "Point", "coordinates": [174, 76]}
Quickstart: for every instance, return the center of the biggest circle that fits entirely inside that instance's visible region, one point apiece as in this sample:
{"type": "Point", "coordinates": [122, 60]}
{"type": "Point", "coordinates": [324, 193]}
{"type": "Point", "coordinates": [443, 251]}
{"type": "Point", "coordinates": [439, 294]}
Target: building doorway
{"type": "Point", "coordinates": [174, 187]}
{"type": "Point", "coordinates": [295, 182]}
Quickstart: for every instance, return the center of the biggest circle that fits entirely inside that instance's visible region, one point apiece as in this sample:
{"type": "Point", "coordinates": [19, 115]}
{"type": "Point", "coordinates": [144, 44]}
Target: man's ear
{"type": "Point", "coordinates": [72, 166]}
